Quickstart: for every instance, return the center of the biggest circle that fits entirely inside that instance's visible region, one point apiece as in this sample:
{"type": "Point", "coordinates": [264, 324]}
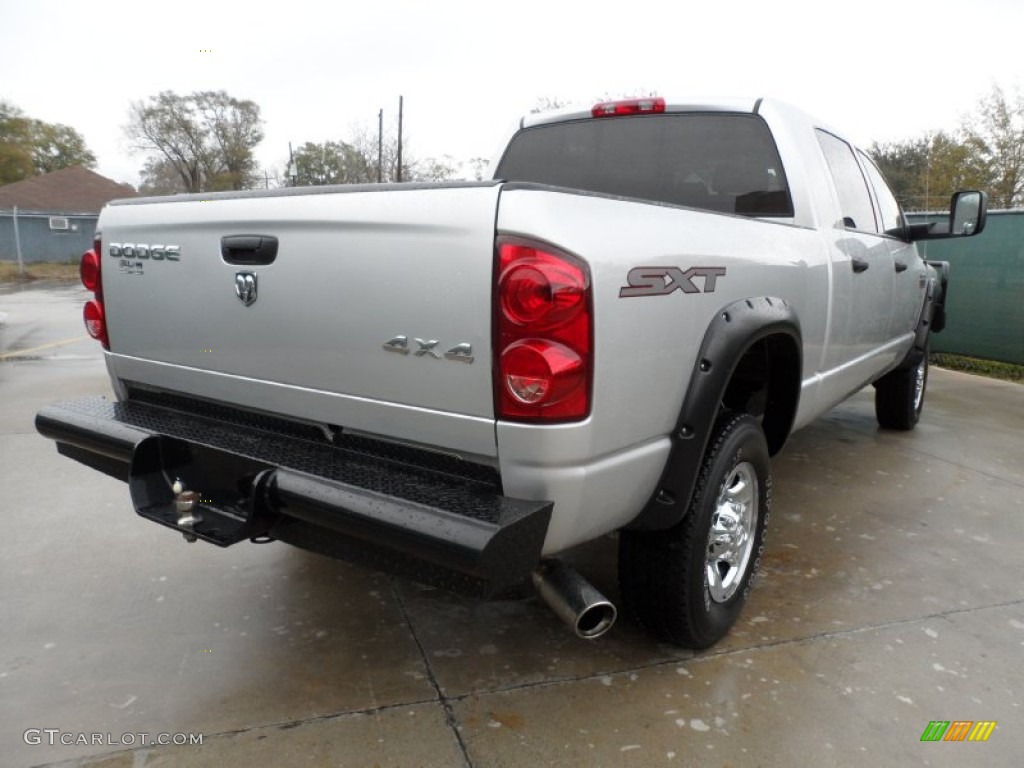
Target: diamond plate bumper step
{"type": "Point", "coordinates": [254, 481]}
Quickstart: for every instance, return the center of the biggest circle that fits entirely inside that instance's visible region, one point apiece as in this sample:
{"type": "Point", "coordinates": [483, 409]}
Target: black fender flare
{"type": "Point", "coordinates": [733, 331]}
{"type": "Point", "coordinates": [933, 314]}
{"type": "Point", "coordinates": [938, 296]}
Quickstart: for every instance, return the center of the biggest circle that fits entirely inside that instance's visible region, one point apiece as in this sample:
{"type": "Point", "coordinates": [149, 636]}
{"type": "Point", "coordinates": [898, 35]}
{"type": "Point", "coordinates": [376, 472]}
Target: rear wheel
{"type": "Point", "coordinates": [899, 396]}
{"type": "Point", "coordinates": [688, 584]}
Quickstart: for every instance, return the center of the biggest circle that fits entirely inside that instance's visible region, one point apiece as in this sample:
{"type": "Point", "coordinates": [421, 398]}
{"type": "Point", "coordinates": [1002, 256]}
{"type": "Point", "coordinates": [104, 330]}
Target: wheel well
{"type": "Point", "coordinates": [751, 361]}
{"type": "Point", "coordinates": [766, 384]}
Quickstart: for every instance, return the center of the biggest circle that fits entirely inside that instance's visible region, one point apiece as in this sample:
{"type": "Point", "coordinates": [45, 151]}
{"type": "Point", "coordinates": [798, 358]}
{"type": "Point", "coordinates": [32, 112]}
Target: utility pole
{"type": "Point", "coordinates": [293, 172]}
{"type": "Point", "coordinates": [398, 172]}
{"type": "Point", "coordinates": [17, 243]}
{"type": "Point", "coordinates": [380, 145]}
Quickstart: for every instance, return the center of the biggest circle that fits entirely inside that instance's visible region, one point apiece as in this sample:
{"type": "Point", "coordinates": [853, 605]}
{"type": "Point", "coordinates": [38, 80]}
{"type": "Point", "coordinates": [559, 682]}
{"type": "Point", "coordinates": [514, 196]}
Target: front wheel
{"type": "Point", "coordinates": [688, 584]}
{"type": "Point", "coordinates": [899, 396]}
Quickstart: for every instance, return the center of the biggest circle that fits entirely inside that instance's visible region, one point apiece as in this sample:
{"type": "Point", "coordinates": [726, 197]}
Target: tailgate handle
{"type": "Point", "coordinates": [248, 250]}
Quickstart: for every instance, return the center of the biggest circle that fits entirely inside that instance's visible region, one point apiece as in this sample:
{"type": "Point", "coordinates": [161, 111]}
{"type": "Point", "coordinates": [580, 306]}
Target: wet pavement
{"type": "Point", "coordinates": [890, 597]}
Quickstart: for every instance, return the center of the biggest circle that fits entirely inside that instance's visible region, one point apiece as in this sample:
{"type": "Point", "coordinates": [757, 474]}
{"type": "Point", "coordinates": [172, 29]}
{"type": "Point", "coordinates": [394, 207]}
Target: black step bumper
{"type": "Point", "coordinates": [256, 478]}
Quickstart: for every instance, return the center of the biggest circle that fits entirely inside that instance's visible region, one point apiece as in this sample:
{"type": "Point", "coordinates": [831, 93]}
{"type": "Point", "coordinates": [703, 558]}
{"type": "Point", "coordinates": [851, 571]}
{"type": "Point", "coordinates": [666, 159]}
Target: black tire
{"type": "Point", "coordinates": [668, 577]}
{"type": "Point", "coordinates": [899, 396]}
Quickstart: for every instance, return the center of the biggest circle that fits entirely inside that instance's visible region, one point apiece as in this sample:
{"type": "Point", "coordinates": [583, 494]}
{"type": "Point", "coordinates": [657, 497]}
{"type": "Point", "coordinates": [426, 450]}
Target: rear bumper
{"type": "Point", "coordinates": [257, 476]}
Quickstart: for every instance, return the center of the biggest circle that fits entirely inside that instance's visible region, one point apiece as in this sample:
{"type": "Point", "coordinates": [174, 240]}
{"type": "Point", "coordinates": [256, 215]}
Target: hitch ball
{"type": "Point", "coordinates": [184, 505]}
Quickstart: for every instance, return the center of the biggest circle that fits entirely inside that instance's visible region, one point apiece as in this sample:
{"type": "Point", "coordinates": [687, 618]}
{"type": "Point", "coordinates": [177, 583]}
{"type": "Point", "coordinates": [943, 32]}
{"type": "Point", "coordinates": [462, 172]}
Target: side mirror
{"type": "Point", "coordinates": [967, 213]}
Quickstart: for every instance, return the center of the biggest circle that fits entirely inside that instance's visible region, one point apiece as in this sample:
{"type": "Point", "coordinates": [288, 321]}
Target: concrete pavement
{"type": "Point", "coordinates": [889, 597]}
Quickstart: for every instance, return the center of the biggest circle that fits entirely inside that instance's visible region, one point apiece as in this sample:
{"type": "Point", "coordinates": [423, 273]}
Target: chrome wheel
{"type": "Point", "coordinates": [688, 584]}
{"type": "Point", "coordinates": [731, 537]}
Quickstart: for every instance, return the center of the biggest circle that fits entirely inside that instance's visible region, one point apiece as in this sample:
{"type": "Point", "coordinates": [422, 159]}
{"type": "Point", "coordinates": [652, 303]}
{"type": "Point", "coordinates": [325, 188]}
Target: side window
{"type": "Point", "coordinates": [888, 209]}
{"type": "Point", "coordinates": [854, 198]}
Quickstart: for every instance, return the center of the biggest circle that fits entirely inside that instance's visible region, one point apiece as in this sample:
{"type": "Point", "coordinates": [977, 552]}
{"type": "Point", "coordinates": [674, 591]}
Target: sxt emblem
{"type": "Point", "coordinates": [661, 281]}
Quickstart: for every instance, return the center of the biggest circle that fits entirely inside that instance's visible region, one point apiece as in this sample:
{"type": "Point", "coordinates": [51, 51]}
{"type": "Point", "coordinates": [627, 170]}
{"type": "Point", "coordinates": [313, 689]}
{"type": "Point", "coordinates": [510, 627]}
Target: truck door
{"type": "Point", "coordinates": [862, 277]}
{"type": "Point", "coordinates": [909, 272]}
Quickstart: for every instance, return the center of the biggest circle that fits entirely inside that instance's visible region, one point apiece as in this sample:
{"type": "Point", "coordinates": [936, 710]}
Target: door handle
{"type": "Point", "coordinates": [859, 265]}
{"type": "Point", "coordinates": [900, 266]}
{"type": "Point", "coordinates": [248, 250]}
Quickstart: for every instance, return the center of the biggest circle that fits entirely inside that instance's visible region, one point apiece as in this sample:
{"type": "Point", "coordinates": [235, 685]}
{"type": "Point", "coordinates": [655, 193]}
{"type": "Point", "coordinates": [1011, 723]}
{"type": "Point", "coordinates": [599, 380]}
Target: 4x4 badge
{"type": "Point", "coordinates": [245, 287]}
{"type": "Point", "coordinates": [462, 353]}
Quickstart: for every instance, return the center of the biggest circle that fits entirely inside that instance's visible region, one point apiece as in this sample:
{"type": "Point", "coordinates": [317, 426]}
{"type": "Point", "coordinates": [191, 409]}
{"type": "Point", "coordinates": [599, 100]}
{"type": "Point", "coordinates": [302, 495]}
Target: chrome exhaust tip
{"type": "Point", "coordinates": [574, 599]}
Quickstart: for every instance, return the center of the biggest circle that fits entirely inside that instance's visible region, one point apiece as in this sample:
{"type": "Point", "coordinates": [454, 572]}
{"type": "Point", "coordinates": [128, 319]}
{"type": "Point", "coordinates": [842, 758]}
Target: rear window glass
{"type": "Point", "coordinates": [717, 162]}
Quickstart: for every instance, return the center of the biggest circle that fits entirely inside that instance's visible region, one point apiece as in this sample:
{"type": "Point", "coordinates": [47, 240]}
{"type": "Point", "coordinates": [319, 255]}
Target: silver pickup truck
{"type": "Point", "coordinates": [457, 382]}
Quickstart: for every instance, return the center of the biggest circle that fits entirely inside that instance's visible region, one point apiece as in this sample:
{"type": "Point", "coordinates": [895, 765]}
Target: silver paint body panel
{"type": "Point", "coordinates": [357, 269]}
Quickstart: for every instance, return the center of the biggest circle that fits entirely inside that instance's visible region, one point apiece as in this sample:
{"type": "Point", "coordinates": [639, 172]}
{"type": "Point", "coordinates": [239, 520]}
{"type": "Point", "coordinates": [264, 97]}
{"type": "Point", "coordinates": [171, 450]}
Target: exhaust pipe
{"type": "Point", "coordinates": [576, 601]}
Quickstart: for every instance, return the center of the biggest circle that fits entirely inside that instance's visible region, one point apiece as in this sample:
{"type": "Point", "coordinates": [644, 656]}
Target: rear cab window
{"type": "Point", "coordinates": [721, 162]}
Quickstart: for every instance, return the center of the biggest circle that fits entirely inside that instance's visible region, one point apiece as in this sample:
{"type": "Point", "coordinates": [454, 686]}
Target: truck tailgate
{"type": "Point", "coordinates": [356, 271]}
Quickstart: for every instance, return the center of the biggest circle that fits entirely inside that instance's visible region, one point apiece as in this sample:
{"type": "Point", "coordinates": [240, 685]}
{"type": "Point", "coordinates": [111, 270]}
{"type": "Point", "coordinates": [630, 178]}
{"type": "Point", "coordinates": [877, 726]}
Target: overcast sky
{"type": "Point", "coordinates": [877, 69]}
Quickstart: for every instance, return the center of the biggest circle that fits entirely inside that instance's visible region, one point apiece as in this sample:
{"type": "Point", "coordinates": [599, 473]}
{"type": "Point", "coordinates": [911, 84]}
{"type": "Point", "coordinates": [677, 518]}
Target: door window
{"type": "Point", "coordinates": [888, 208]}
{"type": "Point", "coordinates": [851, 186]}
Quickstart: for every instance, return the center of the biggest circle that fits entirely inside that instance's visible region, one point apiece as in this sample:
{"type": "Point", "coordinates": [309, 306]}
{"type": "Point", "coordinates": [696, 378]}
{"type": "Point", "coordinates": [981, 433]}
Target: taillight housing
{"type": "Point", "coordinates": [543, 357]}
{"type": "Point", "coordinates": [90, 269]}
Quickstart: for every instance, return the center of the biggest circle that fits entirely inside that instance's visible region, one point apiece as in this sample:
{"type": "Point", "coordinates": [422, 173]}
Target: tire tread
{"type": "Point", "coordinates": [650, 563]}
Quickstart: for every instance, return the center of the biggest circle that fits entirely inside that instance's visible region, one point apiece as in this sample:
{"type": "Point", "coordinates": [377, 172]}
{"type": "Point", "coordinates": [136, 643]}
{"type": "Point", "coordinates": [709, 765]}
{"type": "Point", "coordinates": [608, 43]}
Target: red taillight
{"type": "Point", "coordinates": [91, 271]}
{"type": "Point", "coordinates": [95, 322]}
{"type": "Point", "coordinates": [539, 371]}
{"type": "Point", "coordinates": [542, 333]}
{"type": "Point", "coordinates": [539, 289]}
{"type": "Point", "coordinates": [652, 105]}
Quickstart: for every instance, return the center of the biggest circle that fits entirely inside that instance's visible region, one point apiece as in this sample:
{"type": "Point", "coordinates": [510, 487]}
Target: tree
{"type": "Point", "coordinates": [332, 162]}
{"type": "Point", "coordinates": [954, 163]}
{"type": "Point", "coordinates": [433, 169]}
{"type": "Point", "coordinates": [15, 148]}
{"type": "Point", "coordinates": [364, 141]}
{"type": "Point", "coordinates": [924, 172]}
{"type": "Point", "coordinates": [159, 177]}
{"type": "Point", "coordinates": [987, 152]}
{"type": "Point", "coordinates": [207, 137]}
{"type": "Point", "coordinates": [56, 146]}
{"type": "Point", "coordinates": [235, 130]}
{"type": "Point", "coordinates": [30, 147]}
{"type": "Point", "coordinates": [479, 166]}
{"type": "Point", "coordinates": [995, 132]}
{"type": "Point", "coordinates": [355, 162]}
{"type": "Point", "coordinates": [905, 166]}
{"type": "Point", "coordinates": [548, 104]}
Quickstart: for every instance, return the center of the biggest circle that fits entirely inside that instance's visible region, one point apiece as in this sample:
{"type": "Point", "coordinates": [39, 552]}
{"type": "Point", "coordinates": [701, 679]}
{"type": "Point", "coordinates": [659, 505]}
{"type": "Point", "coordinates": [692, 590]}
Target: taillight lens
{"type": "Point", "coordinates": [539, 371]}
{"type": "Point", "coordinates": [652, 105]}
{"type": "Point", "coordinates": [95, 322]}
{"type": "Point", "coordinates": [90, 269]}
{"type": "Point", "coordinates": [542, 333]}
{"type": "Point", "coordinates": [539, 289]}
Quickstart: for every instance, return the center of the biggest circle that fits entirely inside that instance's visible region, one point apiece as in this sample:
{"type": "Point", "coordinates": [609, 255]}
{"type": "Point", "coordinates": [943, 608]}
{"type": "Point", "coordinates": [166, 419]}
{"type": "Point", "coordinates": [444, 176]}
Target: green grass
{"type": "Point", "coordinates": [38, 271]}
{"type": "Point", "coordinates": [991, 368]}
